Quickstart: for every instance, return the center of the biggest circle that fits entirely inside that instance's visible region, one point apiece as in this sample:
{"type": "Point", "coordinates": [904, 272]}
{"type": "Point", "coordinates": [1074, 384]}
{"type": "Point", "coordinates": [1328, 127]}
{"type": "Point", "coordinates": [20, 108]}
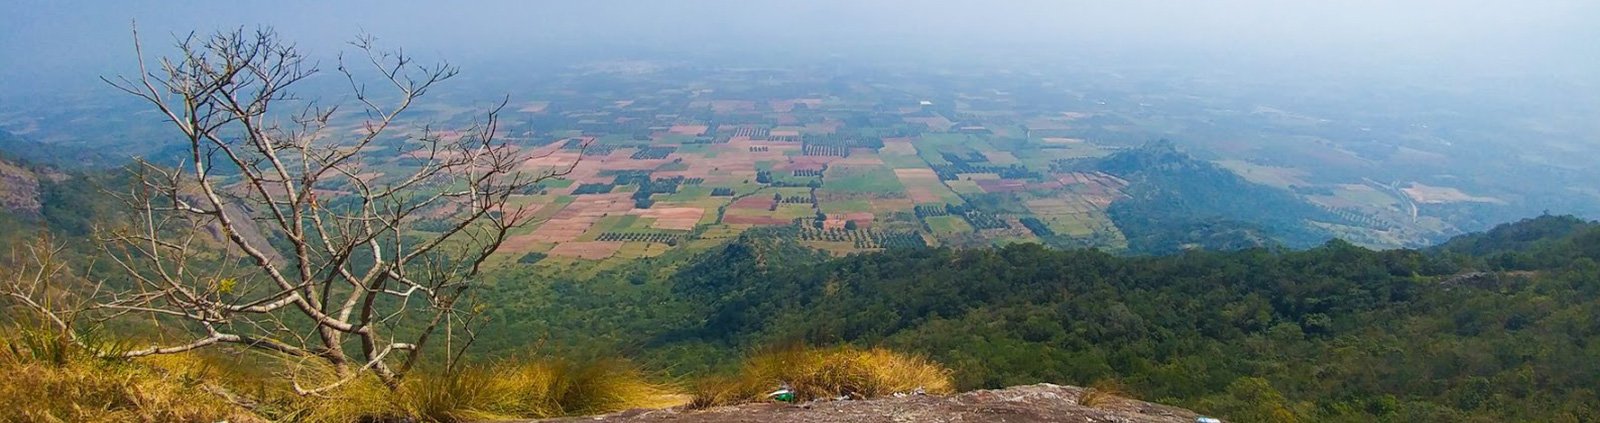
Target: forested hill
{"type": "Point", "coordinates": [1176, 201]}
{"type": "Point", "coordinates": [1462, 332]}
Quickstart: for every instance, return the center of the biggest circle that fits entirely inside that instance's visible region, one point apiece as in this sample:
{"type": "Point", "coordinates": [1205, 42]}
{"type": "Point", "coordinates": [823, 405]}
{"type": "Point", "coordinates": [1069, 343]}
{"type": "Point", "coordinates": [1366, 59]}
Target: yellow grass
{"type": "Point", "coordinates": [44, 378]}
{"type": "Point", "coordinates": [826, 373]}
{"type": "Point", "coordinates": [510, 389]}
{"type": "Point", "coordinates": [1101, 393]}
{"type": "Point", "coordinates": [523, 389]}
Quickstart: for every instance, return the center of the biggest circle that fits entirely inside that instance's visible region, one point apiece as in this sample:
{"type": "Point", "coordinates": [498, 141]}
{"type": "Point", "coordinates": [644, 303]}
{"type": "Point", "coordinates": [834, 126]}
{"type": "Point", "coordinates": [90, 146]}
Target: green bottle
{"type": "Point", "coordinates": [785, 393]}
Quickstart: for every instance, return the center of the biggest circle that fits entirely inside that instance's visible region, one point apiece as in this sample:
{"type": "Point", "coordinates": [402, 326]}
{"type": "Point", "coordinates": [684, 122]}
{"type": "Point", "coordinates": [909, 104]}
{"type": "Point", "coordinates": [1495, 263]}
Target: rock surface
{"type": "Point", "coordinates": [19, 190]}
{"type": "Point", "coordinates": [1020, 404]}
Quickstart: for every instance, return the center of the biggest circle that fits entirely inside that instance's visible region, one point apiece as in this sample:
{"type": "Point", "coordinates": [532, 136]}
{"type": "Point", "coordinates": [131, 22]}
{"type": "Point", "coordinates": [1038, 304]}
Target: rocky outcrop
{"type": "Point", "coordinates": [1021, 404]}
{"type": "Point", "coordinates": [19, 190]}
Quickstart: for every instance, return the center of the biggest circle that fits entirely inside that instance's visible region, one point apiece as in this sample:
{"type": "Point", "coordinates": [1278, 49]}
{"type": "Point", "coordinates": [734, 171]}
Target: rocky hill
{"type": "Point", "coordinates": [19, 189]}
{"type": "Point", "coordinates": [1042, 403]}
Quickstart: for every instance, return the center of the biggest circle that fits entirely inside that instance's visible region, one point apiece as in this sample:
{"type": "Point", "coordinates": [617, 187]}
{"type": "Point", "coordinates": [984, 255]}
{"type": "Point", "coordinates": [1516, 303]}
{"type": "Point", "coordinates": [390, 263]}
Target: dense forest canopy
{"type": "Point", "coordinates": [1176, 201]}
{"type": "Point", "coordinates": [1486, 327]}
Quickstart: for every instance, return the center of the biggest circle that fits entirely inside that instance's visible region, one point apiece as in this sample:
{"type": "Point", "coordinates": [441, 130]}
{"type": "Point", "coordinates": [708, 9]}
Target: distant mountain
{"type": "Point", "coordinates": [1540, 242]}
{"type": "Point", "coordinates": [14, 147]}
{"type": "Point", "coordinates": [1176, 202]}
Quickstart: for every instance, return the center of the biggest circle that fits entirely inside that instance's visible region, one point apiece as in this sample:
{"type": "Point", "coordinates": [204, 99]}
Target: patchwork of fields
{"type": "Point", "coordinates": [791, 163]}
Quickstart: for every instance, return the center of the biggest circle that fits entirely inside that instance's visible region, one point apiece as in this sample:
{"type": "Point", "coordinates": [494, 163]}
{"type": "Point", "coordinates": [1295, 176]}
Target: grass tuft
{"type": "Point", "coordinates": [511, 389]}
{"type": "Point", "coordinates": [823, 373]}
{"type": "Point", "coordinates": [1102, 392]}
{"type": "Point", "coordinates": [46, 378]}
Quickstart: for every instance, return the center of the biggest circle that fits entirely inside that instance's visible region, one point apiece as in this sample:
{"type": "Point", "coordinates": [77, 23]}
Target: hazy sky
{"type": "Point", "coordinates": [45, 43]}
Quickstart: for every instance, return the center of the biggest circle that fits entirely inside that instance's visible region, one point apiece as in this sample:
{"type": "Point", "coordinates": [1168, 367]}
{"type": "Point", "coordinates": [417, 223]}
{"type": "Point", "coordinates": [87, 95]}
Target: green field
{"type": "Point", "coordinates": [846, 206]}
{"type": "Point", "coordinates": [903, 161]}
{"type": "Point", "coordinates": [948, 225]}
{"type": "Point", "coordinates": [863, 179]}
{"type": "Point", "coordinates": [685, 193]}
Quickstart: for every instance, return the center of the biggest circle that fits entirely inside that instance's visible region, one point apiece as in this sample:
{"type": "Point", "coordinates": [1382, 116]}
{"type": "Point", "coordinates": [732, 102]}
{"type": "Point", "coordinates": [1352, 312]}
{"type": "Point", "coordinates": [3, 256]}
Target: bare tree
{"type": "Point", "coordinates": [232, 244]}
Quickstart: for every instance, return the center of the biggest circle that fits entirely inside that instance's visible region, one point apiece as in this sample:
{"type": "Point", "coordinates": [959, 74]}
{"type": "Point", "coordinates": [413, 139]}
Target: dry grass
{"type": "Point", "coordinates": [826, 373]}
{"type": "Point", "coordinates": [44, 378]}
{"type": "Point", "coordinates": [523, 389]}
{"type": "Point", "coordinates": [1102, 392]}
{"type": "Point", "coordinates": [510, 389]}
{"type": "Point", "coordinates": [47, 379]}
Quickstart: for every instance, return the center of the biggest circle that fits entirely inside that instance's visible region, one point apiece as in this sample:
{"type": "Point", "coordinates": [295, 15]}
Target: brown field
{"type": "Point", "coordinates": [521, 244]}
{"type": "Point", "coordinates": [1427, 194]}
{"type": "Point", "coordinates": [861, 157]}
{"type": "Point", "coordinates": [552, 160]}
{"type": "Point", "coordinates": [923, 195]}
{"type": "Point", "coordinates": [900, 146]}
{"type": "Point", "coordinates": [576, 218]}
{"type": "Point", "coordinates": [825, 127]}
{"type": "Point", "coordinates": [937, 123]}
{"type": "Point", "coordinates": [1098, 188]}
{"type": "Point", "coordinates": [754, 202]}
{"type": "Point", "coordinates": [734, 161]}
{"type": "Point", "coordinates": [1001, 185]}
{"type": "Point", "coordinates": [920, 184]}
{"type": "Point", "coordinates": [587, 250]}
{"type": "Point", "coordinates": [1000, 157]}
{"type": "Point", "coordinates": [1059, 206]}
{"type": "Point", "coordinates": [754, 220]}
{"type": "Point", "coordinates": [811, 162]}
{"type": "Point", "coordinates": [786, 106]}
{"type": "Point", "coordinates": [1046, 185]}
{"type": "Point", "coordinates": [916, 176]}
{"type": "Point", "coordinates": [864, 219]}
{"type": "Point", "coordinates": [890, 205]}
{"type": "Point", "coordinates": [619, 160]}
{"type": "Point", "coordinates": [695, 130]}
{"type": "Point", "coordinates": [672, 218]}
{"type": "Point", "coordinates": [794, 165]}
{"type": "Point", "coordinates": [730, 106]}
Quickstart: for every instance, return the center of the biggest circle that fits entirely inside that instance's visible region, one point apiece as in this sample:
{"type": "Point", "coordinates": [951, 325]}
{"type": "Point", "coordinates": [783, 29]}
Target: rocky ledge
{"type": "Point", "coordinates": [1020, 404]}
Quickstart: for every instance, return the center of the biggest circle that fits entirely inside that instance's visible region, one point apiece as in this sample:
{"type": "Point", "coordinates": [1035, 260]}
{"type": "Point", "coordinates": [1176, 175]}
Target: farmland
{"type": "Point", "coordinates": [717, 168]}
{"type": "Point", "coordinates": [663, 166]}
{"type": "Point", "coordinates": [664, 161]}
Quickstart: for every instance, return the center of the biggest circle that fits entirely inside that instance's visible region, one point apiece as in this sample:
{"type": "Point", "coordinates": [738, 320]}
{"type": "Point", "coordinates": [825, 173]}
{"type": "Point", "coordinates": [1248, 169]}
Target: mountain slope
{"type": "Point", "coordinates": [19, 190]}
{"type": "Point", "coordinates": [1176, 201]}
{"type": "Point", "coordinates": [1334, 332]}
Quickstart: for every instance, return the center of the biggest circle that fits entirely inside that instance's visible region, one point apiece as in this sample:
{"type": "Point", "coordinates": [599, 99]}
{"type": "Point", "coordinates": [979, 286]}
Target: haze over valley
{"type": "Point", "coordinates": [414, 211]}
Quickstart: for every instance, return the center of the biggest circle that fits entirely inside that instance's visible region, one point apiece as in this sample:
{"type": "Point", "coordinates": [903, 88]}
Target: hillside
{"type": "Point", "coordinates": [1175, 201]}
{"type": "Point", "coordinates": [1334, 332]}
{"type": "Point", "coordinates": [1042, 403]}
{"type": "Point", "coordinates": [19, 190]}
{"type": "Point", "coordinates": [1489, 325]}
